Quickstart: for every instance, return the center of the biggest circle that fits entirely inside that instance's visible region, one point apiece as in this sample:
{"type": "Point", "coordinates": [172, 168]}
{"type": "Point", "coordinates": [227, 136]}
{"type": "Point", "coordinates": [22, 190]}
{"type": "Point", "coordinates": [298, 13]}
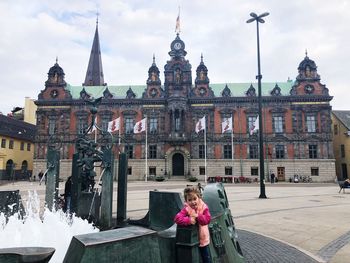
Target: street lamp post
{"type": "Point", "coordinates": [258, 20]}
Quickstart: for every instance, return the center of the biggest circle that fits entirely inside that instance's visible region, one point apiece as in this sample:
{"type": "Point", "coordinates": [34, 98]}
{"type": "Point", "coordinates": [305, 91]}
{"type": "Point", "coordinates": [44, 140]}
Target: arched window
{"type": "Point", "coordinates": [24, 166]}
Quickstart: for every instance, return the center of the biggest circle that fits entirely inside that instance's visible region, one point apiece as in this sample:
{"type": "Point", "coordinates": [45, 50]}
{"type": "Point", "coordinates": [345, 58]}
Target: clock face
{"type": "Point", "coordinates": [54, 93]}
{"type": "Point", "coordinates": [153, 92]}
{"type": "Point", "coordinates": [177, 45]}
{"type": "Point", "coordinates": [202, 91]}
{"type": "Point", "coordinates": [309, 89]}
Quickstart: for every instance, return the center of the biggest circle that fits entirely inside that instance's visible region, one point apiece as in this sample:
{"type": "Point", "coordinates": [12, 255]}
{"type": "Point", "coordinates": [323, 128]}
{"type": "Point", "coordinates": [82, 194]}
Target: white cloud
{"type": "Point", "coordinates": [35, 32]}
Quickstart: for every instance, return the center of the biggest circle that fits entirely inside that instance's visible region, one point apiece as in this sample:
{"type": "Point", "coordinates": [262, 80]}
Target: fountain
{"type": "Point", "coordinates": [154, 238]}
{"type": "Point", "coordinates": [52, 229]}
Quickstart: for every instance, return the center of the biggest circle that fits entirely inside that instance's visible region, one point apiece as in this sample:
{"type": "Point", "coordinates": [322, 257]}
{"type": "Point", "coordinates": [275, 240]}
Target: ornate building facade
{"type": "Point", "coordinates": [296, 120]}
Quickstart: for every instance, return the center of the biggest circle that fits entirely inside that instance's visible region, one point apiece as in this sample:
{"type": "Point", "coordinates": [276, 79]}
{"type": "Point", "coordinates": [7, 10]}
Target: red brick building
{"type": "Point", "coordinates": [296, 120]}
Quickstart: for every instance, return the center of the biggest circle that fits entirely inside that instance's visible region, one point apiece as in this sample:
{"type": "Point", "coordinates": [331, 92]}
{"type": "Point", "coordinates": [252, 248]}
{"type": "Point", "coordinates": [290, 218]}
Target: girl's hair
{"type": "Point", "coordinates": [190, 190]}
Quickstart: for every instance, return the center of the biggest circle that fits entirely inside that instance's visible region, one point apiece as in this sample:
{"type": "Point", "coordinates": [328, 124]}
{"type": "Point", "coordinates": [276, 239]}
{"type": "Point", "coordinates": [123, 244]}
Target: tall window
{"type": "Point", "coordinates": [22, 146]}
{"type": "Point", "coordinates": [311, 123]}
{"type": "Point", "coordinates": [3, 143]}
{"type": "Point", "coordinates": [227, 152]}
{"type": "Point", "coordinates": [335, 128]}
{"type": "Point", "coordinates": [177, 120]}
{"type": "Point", "coordinates": [312, 151]}
{"type": "Point", "coordinates": [278, 124]}
{"type": "Point", "coordinates": [228, 170]}
{"type": "Point", "coordinates": [52, 126]}
{"type": "Point", "coordinates": [201, 153]}
{"type": "Point", "coordinates": [253, 151]}
{"type": "Point", "coordinates": [224, 119]}
{"type": "Point", "coordinates": [342, 150]}
{"type": "Point", "coordinates": [153, 125]}
{"type": "Point", "coordinates": [129, 125]}
{"type": "Point", "coordinates": [129, 150]}
{"type": "Point", "coordinates": [82, 125]}
{"type": "Point", "coordinates": [251, 121]}
{"type": "Point", "coordinates": [279, 151]}
{"type": "Point", "coordinates": [28, 147]}
{"type": "Point", "coordinates": [11, 143]}
{"type": "Point", "coordinates": [104, 124]}
{"type": "Point", "coordinates": [297, 121]}
{"type": "Point", "coordinates": [153, 151]}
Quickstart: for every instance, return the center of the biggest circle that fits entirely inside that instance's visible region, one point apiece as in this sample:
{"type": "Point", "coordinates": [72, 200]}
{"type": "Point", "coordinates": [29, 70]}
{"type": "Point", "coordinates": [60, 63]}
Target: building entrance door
{"type": "Point", "coordinates": [344, 171]}
{"type": "Point", "coordinates": [178, 164]}
{"type": "Point", "coordinates": [281, 174]}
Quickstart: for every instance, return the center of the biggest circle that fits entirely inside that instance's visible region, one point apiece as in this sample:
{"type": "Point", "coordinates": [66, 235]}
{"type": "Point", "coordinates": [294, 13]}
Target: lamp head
{"type": "Point", "coordinates": [264, 14]}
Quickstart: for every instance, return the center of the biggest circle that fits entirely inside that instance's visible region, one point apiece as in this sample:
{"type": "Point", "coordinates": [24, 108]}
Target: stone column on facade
{"type": "Point", "coordinates": [166, 165]}
{"type": "Point", "coordinates": [173, 120]}
{"type": "Point", "coordinates": [188, 165]}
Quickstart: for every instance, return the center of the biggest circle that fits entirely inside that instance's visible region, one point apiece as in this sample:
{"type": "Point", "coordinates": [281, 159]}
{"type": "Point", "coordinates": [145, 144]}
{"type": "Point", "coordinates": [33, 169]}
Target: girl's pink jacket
{"type": "Point", "coordinates": [183, 218]}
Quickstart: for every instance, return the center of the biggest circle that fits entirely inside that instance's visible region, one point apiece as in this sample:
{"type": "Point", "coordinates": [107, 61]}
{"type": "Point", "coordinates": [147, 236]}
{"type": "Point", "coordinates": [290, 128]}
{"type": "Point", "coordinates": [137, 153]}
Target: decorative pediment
{"type": "Point", "coordinates": [251, 91]}
{"type": "Point", "coordinates": [130, 94]}
{"type": "Point", "coordinates": [278, 110]}
{"type": "Point", "coordinates": [226, 92]}
{"type": "Point", "coordinates": [129, 113]}
{"type": "Point", "coordinates": [153, 92]}
{"type": "Point", "coordinates": [84, 95]}
{"type": "Point", "coordinates": [276, 91]}
{"type": "Point", "coordinates": [107, 94]}
{"type": "Point", "coordinates": [202, 91]}
{"type": "Point", "coordinates": [251, 111]}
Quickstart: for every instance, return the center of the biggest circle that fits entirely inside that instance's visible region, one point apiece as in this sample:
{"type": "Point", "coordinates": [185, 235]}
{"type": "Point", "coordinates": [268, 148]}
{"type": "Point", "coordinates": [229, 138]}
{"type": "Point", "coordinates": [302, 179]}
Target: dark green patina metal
{"type": "Point", "coordinates": [122, 190]}
{"type": "Point", "coordinates": [52, 177]}
{"type": "Point", "coordinates": [105, 221]}
{"type": "Point", "coordinates": [26, 254]}
{"type": "Point", "coordinates": [224, 246]}
{"type": "Point", "coordinates": [159, 240]}
{"type": "Point", "coordinates": [10, 203]}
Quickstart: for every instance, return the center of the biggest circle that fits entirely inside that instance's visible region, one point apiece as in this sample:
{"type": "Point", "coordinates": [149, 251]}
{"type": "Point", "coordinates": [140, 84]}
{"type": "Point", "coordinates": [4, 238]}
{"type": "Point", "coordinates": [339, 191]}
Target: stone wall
{"type": "Point", "coordinates": [302, 167]}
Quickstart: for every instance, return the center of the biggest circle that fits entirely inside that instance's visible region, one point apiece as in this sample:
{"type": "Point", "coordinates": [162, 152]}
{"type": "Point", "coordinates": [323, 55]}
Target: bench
{"type": "Point", "coordinates": [343, 186]}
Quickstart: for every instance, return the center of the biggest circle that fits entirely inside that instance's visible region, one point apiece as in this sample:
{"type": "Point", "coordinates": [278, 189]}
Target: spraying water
{"type": "Point", "coordinates": [52, 229]}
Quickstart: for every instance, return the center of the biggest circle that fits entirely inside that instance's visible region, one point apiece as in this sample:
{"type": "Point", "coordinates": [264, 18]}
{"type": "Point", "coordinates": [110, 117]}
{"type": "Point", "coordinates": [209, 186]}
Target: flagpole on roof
{"type": "Point", "coordinates": [177, 26]}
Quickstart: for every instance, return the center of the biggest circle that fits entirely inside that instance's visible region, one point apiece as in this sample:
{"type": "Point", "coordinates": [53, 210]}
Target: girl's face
{"type": "Point", "coordinates": [192, 201]}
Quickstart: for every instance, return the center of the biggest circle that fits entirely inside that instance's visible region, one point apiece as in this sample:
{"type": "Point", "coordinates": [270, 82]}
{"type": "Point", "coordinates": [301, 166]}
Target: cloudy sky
{"type": "Point", "coordinates": [34, 32]}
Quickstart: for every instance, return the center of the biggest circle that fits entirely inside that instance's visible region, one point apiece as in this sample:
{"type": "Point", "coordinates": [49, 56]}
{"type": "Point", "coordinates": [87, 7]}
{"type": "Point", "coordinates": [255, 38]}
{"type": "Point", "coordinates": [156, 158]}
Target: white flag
{"type": "Point", "coordinates": [200, 125]}
{"type": "Point", "coordinates": [114, 125]}
{"type": "Point", "coordinates": [94, 126]}
{"type": "Point", "coordinates": [177, 27]}
{"type": "Point", "coordinates": [226, 125]}
{"type": "Point", "coordinates": [140, 126]}
{"type": "Point", "coordinates": [255, 126]}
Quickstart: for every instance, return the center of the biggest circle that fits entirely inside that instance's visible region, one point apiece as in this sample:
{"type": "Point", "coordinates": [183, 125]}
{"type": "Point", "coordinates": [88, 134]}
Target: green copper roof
{"type": "Point", "coordinates": [237, 89]}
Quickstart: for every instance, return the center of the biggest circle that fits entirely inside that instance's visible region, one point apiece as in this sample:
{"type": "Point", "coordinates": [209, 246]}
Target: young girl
{"type": "Point", "coordinates": [196, 211]}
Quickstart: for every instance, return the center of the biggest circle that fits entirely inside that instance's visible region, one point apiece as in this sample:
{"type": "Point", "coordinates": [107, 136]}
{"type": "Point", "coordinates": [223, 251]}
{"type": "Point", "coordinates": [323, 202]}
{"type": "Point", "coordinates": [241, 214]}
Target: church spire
{"type": "Point", "coordinates": [94, 73]}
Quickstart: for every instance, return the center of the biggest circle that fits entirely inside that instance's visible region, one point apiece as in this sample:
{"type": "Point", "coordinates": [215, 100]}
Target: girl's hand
{"type": "Point", "coordinates": [193, 220]}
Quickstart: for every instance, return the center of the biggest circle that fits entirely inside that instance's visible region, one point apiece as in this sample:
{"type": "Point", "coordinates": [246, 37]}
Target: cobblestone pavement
{"type": "Point", "coordinates": [261, 249]}
{"type": "Point", "coordinates": [296, 223]}
{"type": "Point", "coordinates": [328, 251]}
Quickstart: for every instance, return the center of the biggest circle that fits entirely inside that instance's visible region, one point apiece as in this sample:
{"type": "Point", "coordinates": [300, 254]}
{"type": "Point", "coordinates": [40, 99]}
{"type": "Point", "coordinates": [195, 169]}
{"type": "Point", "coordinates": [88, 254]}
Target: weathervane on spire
{"type": "Point", "coordinates": [177, 27]}
{"type": "Point", "coordinates": [97, 14]}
